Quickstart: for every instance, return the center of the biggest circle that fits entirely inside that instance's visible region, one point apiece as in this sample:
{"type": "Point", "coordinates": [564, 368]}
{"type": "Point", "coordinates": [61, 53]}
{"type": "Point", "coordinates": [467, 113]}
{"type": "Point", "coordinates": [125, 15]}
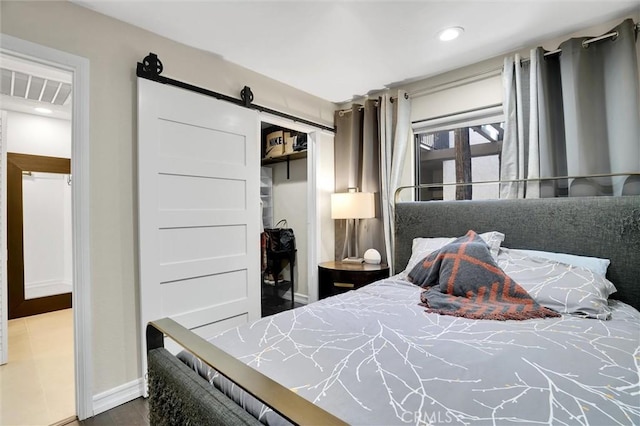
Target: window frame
{"type": "Point", "coordinates": [450, 122]}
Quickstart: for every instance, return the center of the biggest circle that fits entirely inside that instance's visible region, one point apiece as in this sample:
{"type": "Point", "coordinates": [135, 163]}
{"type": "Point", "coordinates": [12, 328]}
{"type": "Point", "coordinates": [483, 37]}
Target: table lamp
{"type": "Point", "coordinates": [352, 206]}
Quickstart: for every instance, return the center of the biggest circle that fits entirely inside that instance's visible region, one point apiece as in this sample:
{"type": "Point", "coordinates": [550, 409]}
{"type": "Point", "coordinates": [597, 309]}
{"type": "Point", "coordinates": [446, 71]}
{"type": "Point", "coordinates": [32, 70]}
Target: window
{"type": "Point", "coordinates": [464, 154]}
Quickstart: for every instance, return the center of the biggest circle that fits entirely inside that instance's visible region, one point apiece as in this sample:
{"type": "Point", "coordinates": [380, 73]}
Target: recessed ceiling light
{"type": "Point", "coordinates": [451, 33]}
{"type": "Point", "coordinates": [43, 110]}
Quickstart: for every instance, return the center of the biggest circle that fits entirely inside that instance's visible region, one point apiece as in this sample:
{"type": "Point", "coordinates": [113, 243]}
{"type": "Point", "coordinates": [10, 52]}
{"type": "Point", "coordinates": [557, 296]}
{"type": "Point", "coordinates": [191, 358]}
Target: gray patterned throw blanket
{"type": "Point", "coordinates": [374, 357]}
{"type": "Point", "coordinates": [462, 279]}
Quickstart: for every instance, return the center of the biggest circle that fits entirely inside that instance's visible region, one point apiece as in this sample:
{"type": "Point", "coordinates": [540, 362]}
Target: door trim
{"type": "Point", "coordinates": [81, 298]}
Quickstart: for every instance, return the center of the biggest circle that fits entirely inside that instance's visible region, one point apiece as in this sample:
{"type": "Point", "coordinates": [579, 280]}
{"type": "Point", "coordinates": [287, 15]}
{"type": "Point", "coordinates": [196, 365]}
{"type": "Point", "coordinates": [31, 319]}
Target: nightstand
{"type": "Point", "coordinates": [339, 277]}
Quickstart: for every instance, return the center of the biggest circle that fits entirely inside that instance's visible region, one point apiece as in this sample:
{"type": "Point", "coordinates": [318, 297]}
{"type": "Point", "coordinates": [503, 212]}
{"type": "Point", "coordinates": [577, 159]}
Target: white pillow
{"type": "Point", "coordinates": [422, 247]}
{"type": "Point", "coordinates": [594, 264]}
{"type": "Point", "coordinates": [565, 288]}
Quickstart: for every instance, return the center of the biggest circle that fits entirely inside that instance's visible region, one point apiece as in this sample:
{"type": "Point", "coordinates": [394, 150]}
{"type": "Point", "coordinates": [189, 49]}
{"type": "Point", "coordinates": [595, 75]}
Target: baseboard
{"type": "Point", "coordinates": [117, 396]}
{"type": "Point", "coordinates": [301, 298]}
{"type": "Point", "coordinates": [37, 289]}
{"type": "Point", "coordinates": [297, 297]}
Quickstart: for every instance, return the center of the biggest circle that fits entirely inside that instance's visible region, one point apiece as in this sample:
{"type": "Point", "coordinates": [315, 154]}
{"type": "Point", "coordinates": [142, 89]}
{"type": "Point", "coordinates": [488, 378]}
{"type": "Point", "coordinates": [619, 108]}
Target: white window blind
{"type": "Point", "coordinates": [475, 117]}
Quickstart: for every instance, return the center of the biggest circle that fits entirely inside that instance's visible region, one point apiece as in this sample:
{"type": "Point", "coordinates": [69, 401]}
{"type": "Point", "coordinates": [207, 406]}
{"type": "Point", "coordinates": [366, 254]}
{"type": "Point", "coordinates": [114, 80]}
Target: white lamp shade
{"type": "Point", "coordinates": [353, 205]}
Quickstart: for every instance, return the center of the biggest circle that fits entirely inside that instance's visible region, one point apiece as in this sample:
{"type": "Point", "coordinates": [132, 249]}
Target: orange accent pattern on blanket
{"type": "Point", "coordinates": [462, 279]}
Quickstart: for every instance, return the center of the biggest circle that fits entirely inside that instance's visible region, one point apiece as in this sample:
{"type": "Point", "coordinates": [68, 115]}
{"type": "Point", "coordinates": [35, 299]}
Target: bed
{"type": "Point", "coordinates": [374, 356]}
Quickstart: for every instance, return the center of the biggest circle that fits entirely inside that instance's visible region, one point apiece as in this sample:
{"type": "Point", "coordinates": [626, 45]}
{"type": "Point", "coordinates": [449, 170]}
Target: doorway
{"type": "Point", "coordinates": [38, 234]}
{"type": "Point", "coordinates": [37, 99]}
{"type": "Point", "coordinates": [35, 55]}
{"type": "Point", "coordinates": [317, 172]}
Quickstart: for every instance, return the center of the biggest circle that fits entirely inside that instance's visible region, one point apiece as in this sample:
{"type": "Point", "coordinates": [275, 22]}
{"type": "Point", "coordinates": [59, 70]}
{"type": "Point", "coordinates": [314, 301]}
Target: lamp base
{"type": "Point", "coordinates": [353, 260]}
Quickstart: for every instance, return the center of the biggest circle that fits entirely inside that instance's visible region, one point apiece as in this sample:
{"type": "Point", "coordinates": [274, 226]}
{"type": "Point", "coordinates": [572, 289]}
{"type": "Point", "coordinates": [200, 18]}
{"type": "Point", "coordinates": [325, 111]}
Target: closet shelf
{"type": "Point", "coordinates": [295, 156]}
{"type": "Point", "coordinates": [287, 157]}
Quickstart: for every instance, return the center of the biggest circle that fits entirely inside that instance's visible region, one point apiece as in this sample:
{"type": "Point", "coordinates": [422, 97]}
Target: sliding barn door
{"type": "Point", "coordinates": [199, 210]}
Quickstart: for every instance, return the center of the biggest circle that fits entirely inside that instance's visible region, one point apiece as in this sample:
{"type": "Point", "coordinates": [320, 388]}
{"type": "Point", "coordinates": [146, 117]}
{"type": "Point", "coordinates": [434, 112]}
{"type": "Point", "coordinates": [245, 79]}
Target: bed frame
{"type": "Point", "coordinates": [607, 227]}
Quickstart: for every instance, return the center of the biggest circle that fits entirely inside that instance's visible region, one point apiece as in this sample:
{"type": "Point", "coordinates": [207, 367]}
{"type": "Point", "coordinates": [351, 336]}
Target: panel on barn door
{"type": "Point", "coordinates": [199, 210]}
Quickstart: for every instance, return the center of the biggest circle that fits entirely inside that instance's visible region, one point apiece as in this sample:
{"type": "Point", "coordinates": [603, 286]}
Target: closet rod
{"type": "Point", "coordinates": [151, 68]}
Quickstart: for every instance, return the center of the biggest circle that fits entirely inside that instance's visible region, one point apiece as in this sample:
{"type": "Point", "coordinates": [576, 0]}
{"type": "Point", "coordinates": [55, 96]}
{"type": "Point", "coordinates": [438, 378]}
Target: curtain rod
{"type": "Point", "coordinates": [587, 42]}
{"type": "Point", "coordinates": [342, 112]}
{"type": "Point", "coordinates": [151, 68]}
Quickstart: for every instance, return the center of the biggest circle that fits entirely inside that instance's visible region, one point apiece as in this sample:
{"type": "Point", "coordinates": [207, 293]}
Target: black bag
{"type": "Point", "coordinates": [280, 239]}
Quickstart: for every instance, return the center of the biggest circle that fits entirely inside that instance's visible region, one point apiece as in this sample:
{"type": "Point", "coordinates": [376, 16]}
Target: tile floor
{"type": "Point", "coordinates": [37, 384]}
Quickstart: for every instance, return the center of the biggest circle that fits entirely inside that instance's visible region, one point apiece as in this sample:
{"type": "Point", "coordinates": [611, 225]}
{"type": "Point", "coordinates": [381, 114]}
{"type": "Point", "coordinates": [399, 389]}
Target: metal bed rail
{"type": "Point", "coordinates": [396, 196]}
{"type": "Point", "coordinates": [282, 400]}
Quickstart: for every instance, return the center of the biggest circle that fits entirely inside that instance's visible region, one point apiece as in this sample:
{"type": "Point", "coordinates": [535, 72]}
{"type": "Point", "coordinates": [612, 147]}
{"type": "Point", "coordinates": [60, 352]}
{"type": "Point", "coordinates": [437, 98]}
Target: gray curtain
{"type": "Point", "coordinates": [520, 150]}
{"type": "Point", "coordinates": [590, 114]}
{"type": "Point", "coordinates": [357, 164]}
{"type": "Point", "coordinates": [396, 136]}
{"type": "Point", "coordinates": [573, 114]}
{"type": "Point", "coordinates": [553, 149]}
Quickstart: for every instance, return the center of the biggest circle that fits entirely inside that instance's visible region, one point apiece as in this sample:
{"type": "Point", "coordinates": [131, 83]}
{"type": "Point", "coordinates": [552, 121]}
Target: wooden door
{"type": "Point", "coordinates": [19, 305]}
{"type": "Point", "coordinates": [199, 210]}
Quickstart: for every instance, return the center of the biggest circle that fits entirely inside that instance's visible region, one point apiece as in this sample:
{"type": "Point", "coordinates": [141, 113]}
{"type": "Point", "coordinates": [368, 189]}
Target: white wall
{"type": "Point", "coordinates": [113, 49]}
{"type": "Point", "coordinates": [38, 135]}
{"type": "Point", "coordinates": [46, 220]}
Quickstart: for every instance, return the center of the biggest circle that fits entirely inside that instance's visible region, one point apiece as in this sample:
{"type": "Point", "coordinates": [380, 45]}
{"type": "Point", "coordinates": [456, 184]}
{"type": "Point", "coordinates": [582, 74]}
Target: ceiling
{"type": "Point", "coordinates": [338, 50]}
{"type": "Point", "coordinates": [28, 87]}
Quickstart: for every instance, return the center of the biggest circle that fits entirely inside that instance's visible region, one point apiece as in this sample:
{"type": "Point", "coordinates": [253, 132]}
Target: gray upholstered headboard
{"type": "Point", "coordinates": [606, 227]}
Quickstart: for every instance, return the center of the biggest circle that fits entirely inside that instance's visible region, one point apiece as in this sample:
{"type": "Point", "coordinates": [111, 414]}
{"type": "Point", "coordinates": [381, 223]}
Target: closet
{"type": "Point", "coordinates": [284, 189]}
